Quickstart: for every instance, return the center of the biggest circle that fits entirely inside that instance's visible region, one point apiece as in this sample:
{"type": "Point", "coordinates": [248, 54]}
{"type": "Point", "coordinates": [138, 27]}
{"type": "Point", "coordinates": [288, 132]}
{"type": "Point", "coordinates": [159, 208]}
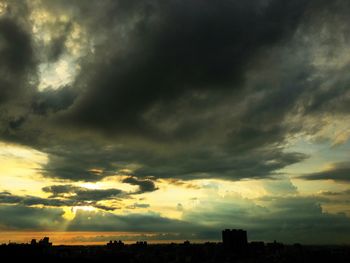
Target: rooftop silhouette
{"type": "Point", "coordinates": [233, 248]}
{"type": "Point", "coordinates": [235, 239]}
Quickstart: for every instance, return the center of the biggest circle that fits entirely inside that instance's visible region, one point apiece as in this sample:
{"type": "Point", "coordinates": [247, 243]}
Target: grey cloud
{"type": "Point", "coordinates": [83, 194]}
{"type": "Point", "coordinates": [184, 89]}
{"type": "Point", "coordinates": [220, 164]}
{"type": "Point", "coordinates": [76, 197]}
{"type": "Point", "coordinates": [181, 90]}
{"type": "Point", "coordinates": [50, 101]}
{"type": "Point", "coordinates": [77, 160]}
{"type": "Point", "coordinates": [8, 198]}
{"type": "Point", "coordinates": [163, 61]}
{"type": "Point", "coordinates": [304, 220]}
{"type": "Point", "coordinates": [280, 186]}
{"type": "Point", "coordinates": [331, 193]}
{"type": "Point", "coordinates": [60, 190]}
{"type": "Point", "coordinates": [57, 47]}
{"type": "Point", "coordinates": [17, 66]}
{"type": "Point", "coordinates": [106, 207]}
{"type": "Point", "coordinates": [148, 222]}
{"type": "Point", "coordinates": [288, 219]}
{"type": "Point", "coordinates": [329, 94]}
{"type": "Point", "coordinates": [198, 162]}
{"type": "Point", "coordinates": [144, 185]}
{"type": "Point", "coordinates": [340, 172]}
{"type": "Point", "coordinates": [16, 47]}
{"type": "Point", "coordinates": [18, 217]}
{"type": "Point", "coordinates": [98, 194]}
{"type": "Point", "coordinates": [72, 165]}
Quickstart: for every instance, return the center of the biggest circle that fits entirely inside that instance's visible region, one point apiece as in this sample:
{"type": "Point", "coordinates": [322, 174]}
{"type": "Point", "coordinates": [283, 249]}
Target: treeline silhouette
{"type": "Point", "coordinates": [234, 248]}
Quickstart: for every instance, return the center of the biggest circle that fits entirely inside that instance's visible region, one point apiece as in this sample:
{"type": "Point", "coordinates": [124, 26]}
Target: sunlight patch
{"type": "Point", "coordinates": [61, 42]}
{"type": "Point", "coordinates": [58, 74]}
{"type": "Point", "coordinates": [75, 209]}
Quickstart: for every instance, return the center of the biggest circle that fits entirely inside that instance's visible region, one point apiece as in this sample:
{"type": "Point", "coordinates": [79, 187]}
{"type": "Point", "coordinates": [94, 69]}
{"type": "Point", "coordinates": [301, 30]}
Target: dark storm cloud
{"type": "Point", "coordinates": [330, 93]}
{"type": "Point", "coordinates": [18, 75]}
{"type": "Point", "coordinates": [57, 47]}
{"type": "Point", "coordinates": [97, 194]}
{"type": "Point", "coordinates": [80, 194]}
{"type": "Point", "coordinates": [207, 163]}
{"type": "Point", "coordinates": [198, 162]}
{"type": "Point", "coordinates": [340, 172]}
{"type": "Point", "coordinates": [17, 60]}
{"type": "Point", "coordinates": [20, 217]}
{"type": "Point", "coordinates": [16, 48]}
{"type": "Point", "coordinates": [303, 219]}
{"type": "Point", "coordinates": [67, 195]}
{"type": "Point", "coordinates": [144, 185]}
{"type": "Point", "coordinates": [74, 166]}
{"type": "Point", "coordinates": [8, 198]}
{"type": "Point", "coordinates": [83, 194]}
{"type": "Point", "coordinates": [51, 101]}
{"type": "Point", "coordinates": [60, 190]}
{"type": "Point", "coordinates": [169, 77]}
{"type": "Point", "coordinates": [182, 89]}
{"type": "Point", "coordinates": [175, 48]}
{"type": "Point", "coordinates": [178, 89]}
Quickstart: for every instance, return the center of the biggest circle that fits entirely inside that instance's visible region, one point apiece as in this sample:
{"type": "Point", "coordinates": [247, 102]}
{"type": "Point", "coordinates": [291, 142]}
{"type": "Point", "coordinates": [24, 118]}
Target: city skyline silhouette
{"type": "Point", "coordinates": [169, 121]}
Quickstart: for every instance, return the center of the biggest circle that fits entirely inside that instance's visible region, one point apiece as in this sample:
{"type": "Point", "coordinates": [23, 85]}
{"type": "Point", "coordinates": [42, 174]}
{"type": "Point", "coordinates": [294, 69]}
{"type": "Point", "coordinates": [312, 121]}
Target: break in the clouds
{"type": "Point", "coordinates": [128, 100]}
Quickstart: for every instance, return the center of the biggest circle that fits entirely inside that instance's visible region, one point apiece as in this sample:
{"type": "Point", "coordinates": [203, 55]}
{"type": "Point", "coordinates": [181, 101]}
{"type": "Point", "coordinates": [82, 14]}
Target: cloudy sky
{"type": "Point", "coordinates": [171, 120]}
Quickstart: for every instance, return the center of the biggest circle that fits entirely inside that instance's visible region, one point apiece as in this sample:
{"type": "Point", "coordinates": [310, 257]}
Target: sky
{"type": "Point", "coordinates": [172, 120]}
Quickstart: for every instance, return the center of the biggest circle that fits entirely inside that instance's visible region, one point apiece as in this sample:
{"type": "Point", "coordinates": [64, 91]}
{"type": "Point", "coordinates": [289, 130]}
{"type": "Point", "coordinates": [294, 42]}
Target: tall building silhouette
{"type": "Point", "coordinates": [235, 239]}
{"type": "Point", "coordinates": [45, 242]}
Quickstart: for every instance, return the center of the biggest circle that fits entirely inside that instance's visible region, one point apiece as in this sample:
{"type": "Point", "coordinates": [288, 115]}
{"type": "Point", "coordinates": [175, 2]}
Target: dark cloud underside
{"type": "Point", "coordinates": [340, 172]}
{"type": "Point", "coordinates": [183, 89]}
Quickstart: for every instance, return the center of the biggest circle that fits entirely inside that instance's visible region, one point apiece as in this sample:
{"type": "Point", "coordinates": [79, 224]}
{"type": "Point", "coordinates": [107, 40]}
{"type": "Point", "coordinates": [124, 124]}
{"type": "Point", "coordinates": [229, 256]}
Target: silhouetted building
{"type": "Point", "coordinates": [45, 242]}
{"type": "Point", "coordinates": [257, 247]}
{"type": "Point", "coordinates": [33, 242]}
{"type": "Point", "coordinates": [235, 239]}
{"type": "Point", "coordinates": [187, 243]}
{"type": "Point", "coordinates": [275, 247]}
{"type": "Point", "coordinates": [115, 244]}
{"type": "Point", "coordinates": [141, 244]}
{"type": "Point", "coordinates": [186, 252]}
